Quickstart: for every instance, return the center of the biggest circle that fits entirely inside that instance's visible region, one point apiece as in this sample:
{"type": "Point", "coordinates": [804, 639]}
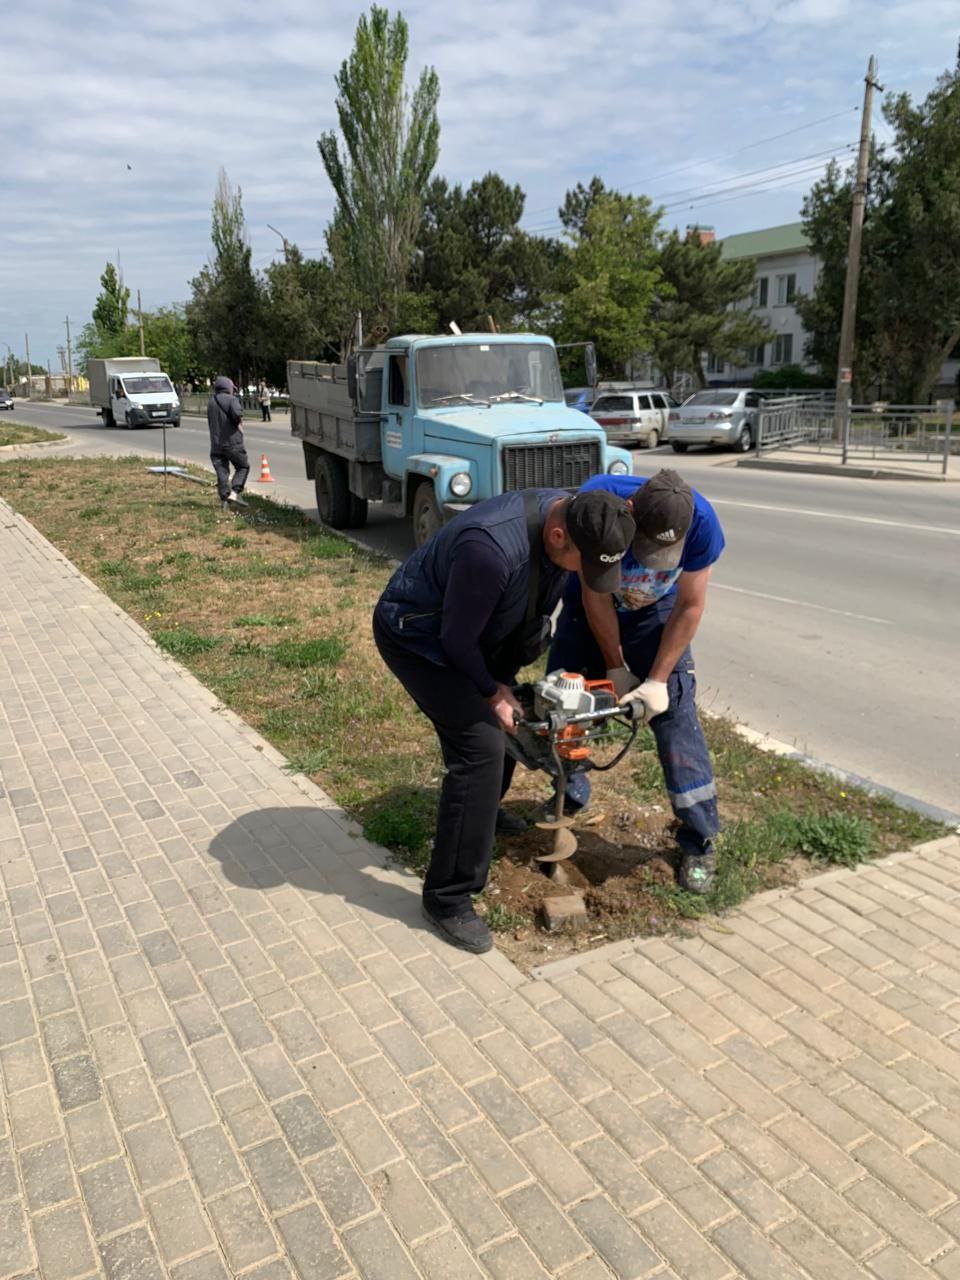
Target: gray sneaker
{"type": "Point", "coordinates": [236, 499]}
{"type": "Point", "coordinates": [698, 872]}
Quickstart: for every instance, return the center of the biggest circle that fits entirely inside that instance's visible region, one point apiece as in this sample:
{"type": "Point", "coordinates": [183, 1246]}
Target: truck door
{"type": "Point", "coordinates": [394, 444]}
{"type": "Point", "coordinates": [118, 402]}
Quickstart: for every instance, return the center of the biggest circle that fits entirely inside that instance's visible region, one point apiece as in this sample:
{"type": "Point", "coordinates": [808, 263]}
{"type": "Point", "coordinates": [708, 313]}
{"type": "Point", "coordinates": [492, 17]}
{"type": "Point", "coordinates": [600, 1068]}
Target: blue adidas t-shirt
{"type": "Point", "coordinates": [640, 586]}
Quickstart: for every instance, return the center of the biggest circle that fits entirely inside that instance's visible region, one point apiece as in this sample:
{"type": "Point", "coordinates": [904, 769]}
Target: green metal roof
{"type": "Point", "coordinates": [790, 238]}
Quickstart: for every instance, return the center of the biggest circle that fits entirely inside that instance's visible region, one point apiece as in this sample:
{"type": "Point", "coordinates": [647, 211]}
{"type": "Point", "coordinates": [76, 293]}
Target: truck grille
{"type": "Point", "coordinates": [550, 466]}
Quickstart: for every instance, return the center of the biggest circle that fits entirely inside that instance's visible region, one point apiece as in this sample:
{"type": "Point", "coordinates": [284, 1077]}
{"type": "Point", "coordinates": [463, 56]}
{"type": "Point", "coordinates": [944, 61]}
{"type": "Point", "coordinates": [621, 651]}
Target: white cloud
{"type": "Point", "coordinates": [544, 93]}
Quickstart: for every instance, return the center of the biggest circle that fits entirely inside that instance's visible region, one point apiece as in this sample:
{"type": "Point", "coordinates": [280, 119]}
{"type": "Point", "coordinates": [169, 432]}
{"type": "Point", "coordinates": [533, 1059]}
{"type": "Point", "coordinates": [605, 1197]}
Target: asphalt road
{"type": "Point", "coordinates": [833, 614]}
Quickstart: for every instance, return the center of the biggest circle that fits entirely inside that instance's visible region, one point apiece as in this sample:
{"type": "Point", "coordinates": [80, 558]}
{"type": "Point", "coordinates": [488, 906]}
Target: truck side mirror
{"type": "Point", "coordinates": [590, 363]}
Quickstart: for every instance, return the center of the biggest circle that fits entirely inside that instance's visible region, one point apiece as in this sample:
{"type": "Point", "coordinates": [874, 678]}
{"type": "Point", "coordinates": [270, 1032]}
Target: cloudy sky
{"type": "Point", "coordinates": [117, 114]}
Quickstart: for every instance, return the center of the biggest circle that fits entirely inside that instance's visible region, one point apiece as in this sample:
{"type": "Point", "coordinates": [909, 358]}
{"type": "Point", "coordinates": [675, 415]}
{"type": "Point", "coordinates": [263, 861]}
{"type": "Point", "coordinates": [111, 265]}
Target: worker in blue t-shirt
{"type": "Point", "coordinates": [640, 638]}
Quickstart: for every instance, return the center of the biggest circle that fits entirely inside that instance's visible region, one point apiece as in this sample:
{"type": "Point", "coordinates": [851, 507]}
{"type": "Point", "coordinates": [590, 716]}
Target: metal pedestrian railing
{"type": "Point", "coordinates": [915, 434]}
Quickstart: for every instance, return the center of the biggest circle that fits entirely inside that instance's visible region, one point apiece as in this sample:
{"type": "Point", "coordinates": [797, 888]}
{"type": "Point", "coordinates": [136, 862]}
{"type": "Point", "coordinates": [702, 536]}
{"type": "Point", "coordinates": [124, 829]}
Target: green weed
{"type": "Point", "coordinates": [320, 651]}
{"type": "Point", "coordinates": [181, 642]}
{"type": "Point", "coordinates": [90, 513]}
{"type": "Point", "coordinates": [232, 542]}
{"type": "Point", "coordinates": [500, 919]}
{"type": "Point", "coordinates": [840, 839]}
{"type": "Point", "coordinates": [264, 620]}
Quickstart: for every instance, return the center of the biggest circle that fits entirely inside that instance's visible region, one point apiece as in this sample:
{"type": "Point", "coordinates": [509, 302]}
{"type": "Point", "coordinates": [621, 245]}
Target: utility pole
{"type": "Point", "coordinates": [849, 319]}
{"type": "Point", "coordinates": [69, 360]}
{"type": "Point", "coordinates": [26, 343]}
{"type": "Point", "coordinates": [140, 319]}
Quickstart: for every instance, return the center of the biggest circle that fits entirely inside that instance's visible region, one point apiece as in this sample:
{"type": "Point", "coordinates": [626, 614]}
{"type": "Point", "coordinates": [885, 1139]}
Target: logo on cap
{"type": "Point", "coordinates": [612, 559]}
{"type": "Point", "coordinates": [668, 535]}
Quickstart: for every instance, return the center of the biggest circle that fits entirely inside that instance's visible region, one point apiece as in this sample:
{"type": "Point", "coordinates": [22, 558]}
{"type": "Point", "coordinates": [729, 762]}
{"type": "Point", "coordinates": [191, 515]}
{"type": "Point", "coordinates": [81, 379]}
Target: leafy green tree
{"type": "Point", "coordinates": [474, 263]}
{"type": "Point", "coordinates": [698, 311]}
{"type": "Point", "coordinates": [225, 312]}
{"type": "Point", "coordinates": [908, 308]}
{"type": "Point", "coordinates": [300, 308]}
{"type": "Point", "coordinates": [166, 336]}
{"type": "Point", "coordinates": [610, 280]}
{"type": "Point", "coordinates": [578, 202]}
{"type": "Point", "coordinates": [112, 305]}
{"type": "Point", "coordinates": [826, 222]}
{"type": "Point", "coordinates": [918, 306]}
{"type": "Point", "coordinates": [380, 167]}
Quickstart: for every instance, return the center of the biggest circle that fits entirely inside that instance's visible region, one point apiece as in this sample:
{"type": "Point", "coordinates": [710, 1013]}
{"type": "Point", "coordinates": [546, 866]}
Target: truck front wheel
{"type": "Point", "coordinates": [108, 418]}
{"type": "Point", "coordinates": [426, 514]}
{"type": "Point", "coordinates": [333, 495]}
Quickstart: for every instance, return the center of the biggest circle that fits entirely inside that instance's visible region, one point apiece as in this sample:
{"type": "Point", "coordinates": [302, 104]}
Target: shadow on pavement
{"type": "Point", "coordinates": [305, 847]}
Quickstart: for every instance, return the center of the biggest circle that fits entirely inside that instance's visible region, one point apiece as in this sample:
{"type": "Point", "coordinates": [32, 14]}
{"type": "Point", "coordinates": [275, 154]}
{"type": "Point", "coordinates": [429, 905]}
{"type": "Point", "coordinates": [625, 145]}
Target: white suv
{"type": "Point", "coordinates": [634, 417]}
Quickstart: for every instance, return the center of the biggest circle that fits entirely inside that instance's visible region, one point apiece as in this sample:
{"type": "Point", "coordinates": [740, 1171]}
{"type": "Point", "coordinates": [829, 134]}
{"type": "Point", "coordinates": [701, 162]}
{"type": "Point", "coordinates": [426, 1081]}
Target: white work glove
{"type": "Point", "coordinates": [623, 680]}
{"type": "Point", "coordinates": [648, 700]}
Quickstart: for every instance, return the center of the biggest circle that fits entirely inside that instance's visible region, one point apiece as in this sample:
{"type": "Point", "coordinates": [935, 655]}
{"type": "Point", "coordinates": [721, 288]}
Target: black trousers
{"type": "Point", "coordinates": [478, 774]}
{"type": "Point", "coordinates": [265, 410]}
{"type": "Point", "coordinates": [228, 455]}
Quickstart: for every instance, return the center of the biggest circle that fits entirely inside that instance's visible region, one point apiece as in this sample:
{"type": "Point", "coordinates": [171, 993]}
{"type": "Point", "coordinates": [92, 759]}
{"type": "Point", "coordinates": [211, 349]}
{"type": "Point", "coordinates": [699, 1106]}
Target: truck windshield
{"type": "Point", "coordinates": [484, 372]}
{"type": "Point", "coordinates": [146, 384]}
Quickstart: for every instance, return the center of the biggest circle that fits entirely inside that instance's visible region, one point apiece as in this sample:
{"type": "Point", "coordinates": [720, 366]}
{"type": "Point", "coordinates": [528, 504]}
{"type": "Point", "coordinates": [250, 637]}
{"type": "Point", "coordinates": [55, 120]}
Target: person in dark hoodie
{"type": "Point", "coordinates": [225, 418]}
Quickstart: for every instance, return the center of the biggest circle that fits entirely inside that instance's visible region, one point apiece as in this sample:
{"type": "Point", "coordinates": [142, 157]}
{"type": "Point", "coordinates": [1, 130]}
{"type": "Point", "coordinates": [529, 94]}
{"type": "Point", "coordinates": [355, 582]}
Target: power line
{"type": "Point", "coordinates": [800, 171]}
{"type": "Point", "coordinates": [770, 173]}
{"type": "Point", "coordinates": [756, 190]}
{"type": "Point", "coordinates": [694, 164]}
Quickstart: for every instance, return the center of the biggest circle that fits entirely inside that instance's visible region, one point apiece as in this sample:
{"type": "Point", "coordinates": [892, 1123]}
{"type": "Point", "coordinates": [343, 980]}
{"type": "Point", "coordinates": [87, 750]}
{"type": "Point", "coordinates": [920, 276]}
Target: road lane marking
{"type": "Point", "coordinates": [803, 604]}
{"type": "Point", "coordinates": [836, 515]}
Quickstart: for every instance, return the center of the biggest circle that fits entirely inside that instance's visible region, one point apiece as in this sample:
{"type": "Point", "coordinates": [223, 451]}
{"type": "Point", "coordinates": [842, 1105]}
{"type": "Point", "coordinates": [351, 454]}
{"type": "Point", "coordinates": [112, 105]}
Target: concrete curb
{"type": "Point", "coordinates": [905, 801]}
{"type": "Point", "coordinates": [838, 469]}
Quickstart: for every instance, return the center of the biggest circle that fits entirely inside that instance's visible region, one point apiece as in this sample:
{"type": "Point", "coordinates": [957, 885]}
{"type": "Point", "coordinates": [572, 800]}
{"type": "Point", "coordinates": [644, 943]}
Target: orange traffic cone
{"type": "Point", "coordinates": [265, 476]}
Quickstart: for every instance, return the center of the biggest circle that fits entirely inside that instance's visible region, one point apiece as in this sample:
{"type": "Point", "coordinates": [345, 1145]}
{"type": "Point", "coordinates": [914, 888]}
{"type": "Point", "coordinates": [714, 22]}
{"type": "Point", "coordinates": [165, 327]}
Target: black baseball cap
{"type": "Point", "coordinates": [663, 510]}
{"type": "Point", "coordinates": [601, 528]}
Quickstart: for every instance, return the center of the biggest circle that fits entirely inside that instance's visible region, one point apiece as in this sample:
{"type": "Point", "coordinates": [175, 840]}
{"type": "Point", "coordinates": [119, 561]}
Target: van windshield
{"type": "Point", "coordinates": [487, 372]}
{"type": "Point", "coordinates": [144, 384]}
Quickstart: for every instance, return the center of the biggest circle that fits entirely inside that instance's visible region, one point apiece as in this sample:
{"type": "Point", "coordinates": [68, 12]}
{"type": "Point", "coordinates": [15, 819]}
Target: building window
{"type": "Point", "coordinates": [760, 287]}
{"type": "Point", "coordinates": [715, 365]}
{"type": "Point", "coordinates": [786, 289]}
{"type": "Point", "coordinates": [783, 348]}
{"type": "Point", "coordinates": [756, 355]}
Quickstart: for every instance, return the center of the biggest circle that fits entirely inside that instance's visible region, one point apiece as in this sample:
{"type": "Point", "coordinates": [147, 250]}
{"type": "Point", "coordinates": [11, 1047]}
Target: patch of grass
{"type": "Point", "coordinates": [179, 559]}
{"type": "Point", "coordinates": [233, 542]}
{"type": "Point", "coordinates": [307, 762]}
{"type": "Point", "coordinates": [91, 513]}
{"type": "Point", "coordinates": [264, 620]}
{"type": "Point", "coordinates": [23, 433]}
{"type": "Point", "coordinates": [326, 547]}
{"type": "Point", "coordinates": [404, 823]}
{"type": "Point", "coordinates": [181, 642]}
{"type": "Point", "coordinates": [324, 651]}
{"type": "Point", "coordinates": [500, 919]}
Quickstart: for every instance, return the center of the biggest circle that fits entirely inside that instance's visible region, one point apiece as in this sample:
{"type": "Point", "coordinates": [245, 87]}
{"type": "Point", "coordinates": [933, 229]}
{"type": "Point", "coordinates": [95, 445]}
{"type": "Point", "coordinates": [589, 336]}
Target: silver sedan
{"type": "Point", "coordinates": [726, 417]}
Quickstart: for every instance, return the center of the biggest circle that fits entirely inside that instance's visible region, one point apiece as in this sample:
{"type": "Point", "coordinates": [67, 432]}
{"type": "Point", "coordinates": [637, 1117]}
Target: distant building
{"type": "Point", "coordinates": [785, 267]}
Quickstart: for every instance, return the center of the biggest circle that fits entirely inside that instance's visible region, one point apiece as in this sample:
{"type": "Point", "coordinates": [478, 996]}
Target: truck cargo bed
{"type": "Point", "coordinates": [322, 413]}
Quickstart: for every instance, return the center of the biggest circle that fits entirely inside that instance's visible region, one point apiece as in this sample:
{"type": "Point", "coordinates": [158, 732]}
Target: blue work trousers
{"type": "Point", "coordinates": [683, 752]}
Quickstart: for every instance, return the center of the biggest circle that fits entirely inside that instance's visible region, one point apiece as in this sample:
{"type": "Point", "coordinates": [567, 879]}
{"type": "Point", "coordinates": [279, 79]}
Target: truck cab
{"type": "Point", "coordinates": [438, 423]}
{"type": "Point", "coordinates": [133, 391]}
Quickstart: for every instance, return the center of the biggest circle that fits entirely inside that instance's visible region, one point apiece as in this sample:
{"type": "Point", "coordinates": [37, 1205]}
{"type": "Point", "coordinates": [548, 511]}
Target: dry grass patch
{"type": "Point", "coordinates": [23, 433]}
{"type": "Point", "coordinates": [273, 614]}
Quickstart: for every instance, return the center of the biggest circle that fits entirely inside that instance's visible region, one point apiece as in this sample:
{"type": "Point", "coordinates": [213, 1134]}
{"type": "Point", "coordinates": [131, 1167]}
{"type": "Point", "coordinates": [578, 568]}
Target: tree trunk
{"type": "Point", "coordinates": [932, 370]}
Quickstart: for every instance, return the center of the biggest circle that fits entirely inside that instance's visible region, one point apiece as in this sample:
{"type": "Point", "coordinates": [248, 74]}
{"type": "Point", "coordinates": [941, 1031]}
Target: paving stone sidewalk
{"type": "Point", "coordinates": [228, 1048]}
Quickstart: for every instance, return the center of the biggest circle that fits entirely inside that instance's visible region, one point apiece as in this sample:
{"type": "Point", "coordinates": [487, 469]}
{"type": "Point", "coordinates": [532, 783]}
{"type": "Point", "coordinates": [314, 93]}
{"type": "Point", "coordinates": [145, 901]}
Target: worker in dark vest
{"type": "Point", "coordinates": [455, 624]}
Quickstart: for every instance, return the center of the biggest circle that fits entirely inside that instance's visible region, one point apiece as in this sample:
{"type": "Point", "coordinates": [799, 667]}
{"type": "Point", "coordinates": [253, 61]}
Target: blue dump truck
{"type": "Point", "coordinates": [438, 423]}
